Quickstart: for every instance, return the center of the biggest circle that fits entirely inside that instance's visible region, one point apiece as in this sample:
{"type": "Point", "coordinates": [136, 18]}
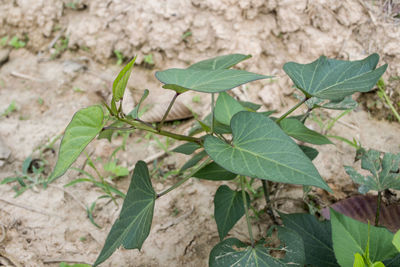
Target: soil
{"type": "Point", "coordinates": [48, 84]}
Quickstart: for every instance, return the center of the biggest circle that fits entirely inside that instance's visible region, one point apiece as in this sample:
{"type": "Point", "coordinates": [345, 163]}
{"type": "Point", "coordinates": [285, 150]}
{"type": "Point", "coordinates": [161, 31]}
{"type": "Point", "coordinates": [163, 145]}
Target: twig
{"type": "Point", "coordinates": [3, 233]}
{"type": "Point", "coordinates": [26, 77]}
{"type": "Point", "coordinates": [10, 258]}
{"type": "Point", "coordinates": [48, 261]}
{"type": "Point", "coordinates": [30, 208]}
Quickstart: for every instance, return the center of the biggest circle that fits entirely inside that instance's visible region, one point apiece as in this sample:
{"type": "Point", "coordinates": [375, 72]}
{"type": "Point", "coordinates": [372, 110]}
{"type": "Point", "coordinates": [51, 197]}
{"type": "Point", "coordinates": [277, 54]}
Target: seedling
{"type": "Point", "coordinates": [10, 109]}
{"type": "Point", "coordinates": [233, 142]}
{"type": "Point", "coordinates": [16, 43]}
{"type": "Point", "coordinates": [59, 47]}
{"type": "Point", "coordinates": [120, 57]}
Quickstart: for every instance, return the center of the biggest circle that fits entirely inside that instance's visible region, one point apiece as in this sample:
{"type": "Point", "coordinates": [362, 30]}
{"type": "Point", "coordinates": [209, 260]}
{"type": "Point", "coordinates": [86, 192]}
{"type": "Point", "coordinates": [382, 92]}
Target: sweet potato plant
{"type": "Point", "coordinates": [236, 142]}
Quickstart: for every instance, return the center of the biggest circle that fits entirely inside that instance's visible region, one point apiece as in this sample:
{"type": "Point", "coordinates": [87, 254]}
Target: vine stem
{"type": "Point", "coordinates": [292, 109]}
{"type": "Point", "coordinates": [246, 208]}
{"type": "Point", "coordinates": [139, 125]}
{"type": "Point", "coordinates": [187, 177]}
{"type": "Point", "coordinates": [167, 111]}
{"type": "Point", "coordinates": [378, 208]}
{"type": "Point", "coordinates": [212, 112]}
{"type": "Point", "coordinates": [268, 201]}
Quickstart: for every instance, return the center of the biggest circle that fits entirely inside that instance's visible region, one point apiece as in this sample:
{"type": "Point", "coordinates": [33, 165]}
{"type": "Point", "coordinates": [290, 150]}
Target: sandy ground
{"type": "Point", "coordinates": [43, 227]}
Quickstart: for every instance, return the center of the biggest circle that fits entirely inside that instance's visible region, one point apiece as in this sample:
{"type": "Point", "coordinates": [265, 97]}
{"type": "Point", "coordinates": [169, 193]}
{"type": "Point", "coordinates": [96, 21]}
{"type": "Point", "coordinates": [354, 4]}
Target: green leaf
{"type": "Point", "coordinates": [358, 260]}
{"type": "Point", "coordinates": [350, 237]}
{"type": "Point", "coordinates": [82, 129]}
{"type": "Point", "coordinates": [214, 172]}
{"type": "Point", "coordinates": [225, 107]}
{"type": "Point", "coordinates": [394, 262]}
{"type": "Point", "coordinates": [378, 264]}
{"type": "Point", "coordinates": [299, 131]}
{"type": "Point", "coordinates": [335, 79]}
{"type": "Point", "coordinates": [233, 252]}
{"type": "Point", "coordinates": [121, 81]}
{"type": "Point", "coordinates": [207, 81]}
{"type": "Point", "coordinates": [310, 152]}
{"type": "Point", "coordinates": [316, 237]}
{"type": "Point", "coordinates": [25, 165]}
{"type": "Point", "coordinates": [133, 224]}
{"type": "Point", "coordinates": [250, 106]}
{"type": "Point", "coordinates": [294, 247]}
{"type": "Point", "coordinates": [228, 209]}
{"type": "Point", "coordinates": [396, 240]}
{"type": "Point", "coordinates": [135, 112]}
{"type": "Point", "coordinates": [262, 150]}
{"type": "Point", "coordinates": [344, 104]}
{"type": "Point", "coordinates": [187, 148]}
{"type": "Point", "coordinates": [220, 62]}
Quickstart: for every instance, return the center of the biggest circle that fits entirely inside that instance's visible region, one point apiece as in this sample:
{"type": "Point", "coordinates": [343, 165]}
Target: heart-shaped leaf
{"type": "Point", "coordinates": [133, 224]}
{"type": "Point", "coordinates": [220, 62]}
{"type": "Point", "coordinates": [214, 172]}
{"type": "Point", "coordinates": [228, 209]}
{"type": "Point", "coordinates": [299, 131]}
{"type": "Point", "coordinates": [350, 237]}
{"type": "Point", "coordinates": [335, 79]}
{"type": "Point", "coordinates": [207, 81]}
{"type": "Point", "coordinates": [316, 236]}
{"type": "Point", "coordinates": [82, 129]}
{"type": "Point", "coordinates": [262, 150]}
{"type": "Point", "coordinates": [225, 107]}
{"type": "Point", "coordinates": [120, 82]}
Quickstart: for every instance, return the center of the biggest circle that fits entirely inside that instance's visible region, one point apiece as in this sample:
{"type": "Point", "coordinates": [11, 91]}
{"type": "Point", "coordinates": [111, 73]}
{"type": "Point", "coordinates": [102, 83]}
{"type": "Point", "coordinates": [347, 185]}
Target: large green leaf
{"type": "Point", "coordinates": [133, 224]}
{"type": "Point", "coordinates": [120, 82]}
{"type": "Point", "coordinates": [262, 150]}
{"type": "Point", "coordinates": [83, 128]}
{"type": "Point", "coordinates": [225, 107]}
{"type": "Point", "coordinates": [232, 252]}
{"type": "Point", "coordinates": [316, 237]}
{"type": "Point", "coordinates": [228, 209]}
{"type": "Point", "coordinates": [220, 62]}
{"type": "Point", "coordinates": [214, 172]}
{"type": "Point", "coordinates": [299, 131]}
{"type": "Point", "coordinates": [350, 237]}
{"type": "Point", "coordinates": [207, 81]}
{"type": "Point", "coordinates": [335, 79]}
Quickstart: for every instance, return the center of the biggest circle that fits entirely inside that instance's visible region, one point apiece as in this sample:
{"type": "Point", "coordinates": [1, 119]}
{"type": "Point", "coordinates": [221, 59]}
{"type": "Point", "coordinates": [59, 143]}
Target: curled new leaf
{"type": "Point", "coordinates": [120, 82]}
{"type": "Point", "coordinates": [82, 129]}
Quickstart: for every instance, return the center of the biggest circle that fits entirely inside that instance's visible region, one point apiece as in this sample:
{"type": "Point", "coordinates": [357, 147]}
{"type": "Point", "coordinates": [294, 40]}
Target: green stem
{"type": "Point", "coordinates": [167, 112]}
{"type": "Point", "coordinates": [268, 201]}
{"type": "Point", "coordinates": [187, 177]}
{"type": "Point", "coordinates": [212, 112]}
{"type": "Point", "coordinates": [292, 109]}
{"type": "Point", "coordinates": [378, 208]}
{"type": "Point", "coordinates": [246, 208]}
{"type": "Point", "coordinates": [141, 126]}
{"type": "Point", "coordinates": [387, 99]}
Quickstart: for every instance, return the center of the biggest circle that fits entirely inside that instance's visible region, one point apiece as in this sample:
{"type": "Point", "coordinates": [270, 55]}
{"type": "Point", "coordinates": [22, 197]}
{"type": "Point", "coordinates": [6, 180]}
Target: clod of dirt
{"type": "Point", "coordinates": [4, 53]}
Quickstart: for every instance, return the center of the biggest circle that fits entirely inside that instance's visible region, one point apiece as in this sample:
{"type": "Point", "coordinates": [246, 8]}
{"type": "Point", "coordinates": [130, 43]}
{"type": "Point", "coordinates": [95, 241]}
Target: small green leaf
{"type": "Point", "coordinates": [225, 107]}
{"type": "Point", "coordinates": [335, 79]}
{"type": "Point", "coordinates": [316, 237]}
{"type": "Point", "coordinates": [214, 172]}
{"type": "Point", "coordinates": [299, 131]}
{"type": "Point", "coordinates": [82, 129]}
{"type": "Point", "coordinates": [187, 148]}
{"type": "Point", "coordinates": [250, 106]}
{"type": "Point", "coordinates": [350, 237]}
{"type": "Point", "coordinates": [260, 149]}
{"type": "Point", "coordinates": [121, 81]}
{"type": "Point", "coordinates": [134, 113]}
{"type": "Point", "coordinates": [26, 164]}
{"type": "Point", "coordinates": [358, 260]}
{"type": "Point", "coordinates": [228, 209]}
{"type": "Point", "coordinates": [133, 224]}
{"type": "Point", "coordinates": [176, 88]}
{"type": "Point", "coordinates": [378, 264]}
{"type": "Point", "coordinates": [207, 81]}
{"type": "Point", "coordinates": [220, 62]}
{"type": "Point", "coordinates": [396, 240]}
{"type": "Point", "coordinates": [233, 252]}
{"type": "Point", "coordinates": [310, 152]}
